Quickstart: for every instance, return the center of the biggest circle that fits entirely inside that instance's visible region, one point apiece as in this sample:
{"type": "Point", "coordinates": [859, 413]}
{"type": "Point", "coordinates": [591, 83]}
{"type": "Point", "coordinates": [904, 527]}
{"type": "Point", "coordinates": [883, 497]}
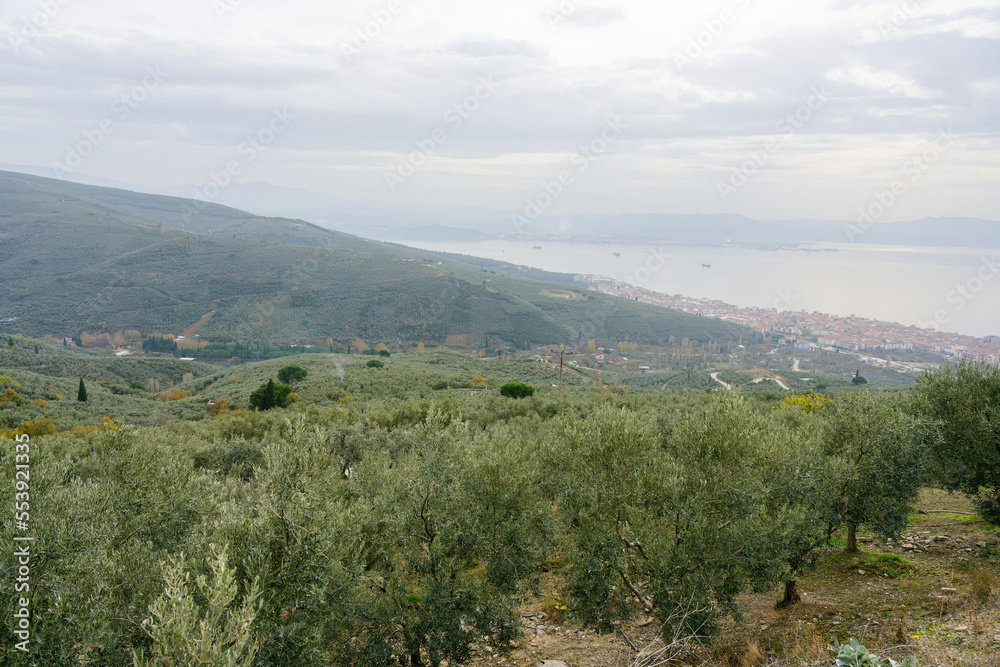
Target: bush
{"type": "Point", "coordinates": [856, 655]}
{"type": "Point", "coordinates": [375, 363]}
{"type": "Point", "coordinates": [259, 399]}
{"type": "Point", "coordinates": [384, 353]}
{"type": "Point", "coordinates": [141, 386]}
{"type": "Point", "coordinates": [517, 390]}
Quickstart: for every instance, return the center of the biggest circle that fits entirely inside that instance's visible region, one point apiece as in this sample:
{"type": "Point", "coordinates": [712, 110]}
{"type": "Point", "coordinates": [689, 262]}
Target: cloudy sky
{"type": "Point", "coordinates": [773, 109]}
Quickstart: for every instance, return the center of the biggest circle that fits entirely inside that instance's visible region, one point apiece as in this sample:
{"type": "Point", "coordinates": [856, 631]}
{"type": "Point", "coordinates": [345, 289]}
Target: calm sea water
{"type": "Point", "coordinates": [951, 287]}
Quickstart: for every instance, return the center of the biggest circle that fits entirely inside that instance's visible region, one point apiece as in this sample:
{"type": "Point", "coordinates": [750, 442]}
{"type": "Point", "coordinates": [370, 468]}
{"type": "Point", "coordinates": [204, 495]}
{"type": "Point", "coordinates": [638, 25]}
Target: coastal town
{"type": "Point", "coordinates": [806, 330]}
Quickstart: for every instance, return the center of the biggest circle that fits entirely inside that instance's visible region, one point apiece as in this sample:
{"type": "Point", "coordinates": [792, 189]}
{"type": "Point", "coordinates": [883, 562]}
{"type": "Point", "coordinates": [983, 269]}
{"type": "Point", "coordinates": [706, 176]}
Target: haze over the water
{"type": "Point", "coordinates": [912, 286]}
{"type": "Point", "coordinates": [772, 109]}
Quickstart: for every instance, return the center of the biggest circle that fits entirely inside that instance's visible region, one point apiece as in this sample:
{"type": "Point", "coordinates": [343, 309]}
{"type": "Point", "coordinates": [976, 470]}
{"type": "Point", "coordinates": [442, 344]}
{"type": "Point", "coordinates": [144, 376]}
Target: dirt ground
{"type": "Point", "coordinates": [934, 594]}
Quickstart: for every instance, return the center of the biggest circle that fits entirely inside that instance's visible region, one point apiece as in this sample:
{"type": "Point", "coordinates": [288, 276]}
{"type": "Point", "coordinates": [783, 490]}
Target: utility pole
{"type": "Point", "coordinates": [562, 353]}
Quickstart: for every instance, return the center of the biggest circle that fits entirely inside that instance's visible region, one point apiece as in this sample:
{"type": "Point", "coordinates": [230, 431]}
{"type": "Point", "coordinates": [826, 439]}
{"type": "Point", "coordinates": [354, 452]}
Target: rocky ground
{"type": "Point", "coordinates": [933, 594]}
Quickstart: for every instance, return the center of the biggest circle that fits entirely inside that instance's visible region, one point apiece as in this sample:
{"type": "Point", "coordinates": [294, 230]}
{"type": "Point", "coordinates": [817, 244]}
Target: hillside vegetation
{"type": "Point", "coordinates": [402, 515]}
{"type": "Point", "coordinates": [77, 258]}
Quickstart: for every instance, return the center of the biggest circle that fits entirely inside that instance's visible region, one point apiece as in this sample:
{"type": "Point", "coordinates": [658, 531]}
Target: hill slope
{"type": "Point", "coordinates": [75, 258]}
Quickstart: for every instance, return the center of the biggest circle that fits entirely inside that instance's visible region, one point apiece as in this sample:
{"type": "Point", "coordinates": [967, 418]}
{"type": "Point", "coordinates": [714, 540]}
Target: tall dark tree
{"type": "Point", "coordinates": [81, 394]}
{"type": "Point", "coordinates": [269, 396]}
{"type": "Point", "coordinates": [281, 392]}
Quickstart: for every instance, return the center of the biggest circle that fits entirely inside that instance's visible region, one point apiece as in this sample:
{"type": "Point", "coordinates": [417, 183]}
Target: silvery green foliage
{"type": "Point", "coordinates": [218, 634]}
{"type": "Point", "coordinates": [853, 654]}
{"type": "Point", "coordinates": [965, 401]}
{"type": "Point", "coordinates": [687, 518]}
{"type": "Point", "coordinates": [881, 450]}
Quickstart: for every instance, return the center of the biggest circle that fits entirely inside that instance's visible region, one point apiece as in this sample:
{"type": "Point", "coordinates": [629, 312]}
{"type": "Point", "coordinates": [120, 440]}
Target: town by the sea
{"type": "Point", "coordinates": [857, 296]}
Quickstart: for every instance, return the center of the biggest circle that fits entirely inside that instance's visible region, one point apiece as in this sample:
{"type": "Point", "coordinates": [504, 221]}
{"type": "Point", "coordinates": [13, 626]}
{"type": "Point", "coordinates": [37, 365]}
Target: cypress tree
{"type": "Point", "coordinates": [269, 396]}
{"type": "Point", "coordinates": [81, 395]}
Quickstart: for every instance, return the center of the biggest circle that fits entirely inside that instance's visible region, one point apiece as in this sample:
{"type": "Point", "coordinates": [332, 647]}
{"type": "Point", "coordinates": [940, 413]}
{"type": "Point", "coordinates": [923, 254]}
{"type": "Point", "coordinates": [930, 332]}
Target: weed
{"type": "Point", "coordinates": [888, 565]}
{"type": "Point", "coordinates": [983, 583]}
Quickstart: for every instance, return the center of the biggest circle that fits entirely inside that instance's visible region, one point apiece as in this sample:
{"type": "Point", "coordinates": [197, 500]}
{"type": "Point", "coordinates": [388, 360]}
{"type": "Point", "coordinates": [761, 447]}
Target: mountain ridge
{"type": "Point", "coordinates": [78, 257]}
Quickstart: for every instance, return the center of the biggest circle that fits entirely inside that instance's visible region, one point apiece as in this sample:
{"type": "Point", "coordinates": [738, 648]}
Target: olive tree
{"type": "Point", "coordinates": [881, 450]}
{"type": "Point", "coordinates": [432, 520]}
{"type": "Point", "coordinates": [681, 520]}
{"type": "Point", "coordinates": [965, 402]}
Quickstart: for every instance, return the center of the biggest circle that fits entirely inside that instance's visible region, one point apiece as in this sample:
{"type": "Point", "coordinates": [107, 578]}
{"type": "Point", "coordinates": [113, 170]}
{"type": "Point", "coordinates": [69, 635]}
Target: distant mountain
{"type": "Point", "coordinates": [401, 222]}
{"type": "Point", "coordinates": [78, 258]}
{"type": "Point", "coordinates": [736, 229]}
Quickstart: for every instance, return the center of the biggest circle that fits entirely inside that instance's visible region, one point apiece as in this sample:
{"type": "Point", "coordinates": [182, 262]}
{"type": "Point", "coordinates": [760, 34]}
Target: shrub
{"type": "Point", "coordinates": [808, 402]}
{"type": "Point", "coordinates": [375, 363]}
{"type": "Point", "coordinates": [516, 390]}
{"type": "Point", "coordinates": [141, 386]}
{"type": "Point", "coordinates": [854, 654]}
{"type": "Point", "coordinates": [259, 399]}
{"type": "Point", "coordinates": [173, 395]}
{"type": "Point", "coordinates": [10, 396]}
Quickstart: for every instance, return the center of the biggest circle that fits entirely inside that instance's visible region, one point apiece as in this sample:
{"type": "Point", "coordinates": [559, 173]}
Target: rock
{"type": "Point", "coordinates": [981, 545]}
{"type": "Point", "coordinates": [941, 538]}
{"type": "Point", "coordinates": [552, 663]}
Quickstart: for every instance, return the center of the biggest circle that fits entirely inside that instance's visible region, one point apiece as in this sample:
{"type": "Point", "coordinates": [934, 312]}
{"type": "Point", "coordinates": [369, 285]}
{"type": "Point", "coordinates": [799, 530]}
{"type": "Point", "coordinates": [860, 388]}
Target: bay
{"type": "Point", "coordinates": [950, 289]}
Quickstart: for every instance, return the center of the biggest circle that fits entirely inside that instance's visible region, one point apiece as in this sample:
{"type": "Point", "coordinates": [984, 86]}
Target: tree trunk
{"type": "Point", "coordinates": [415, 660]}
{"type": "Point", "coordinates": [852, 538]}
{"type": "Point", "coordinates": [791, 594]}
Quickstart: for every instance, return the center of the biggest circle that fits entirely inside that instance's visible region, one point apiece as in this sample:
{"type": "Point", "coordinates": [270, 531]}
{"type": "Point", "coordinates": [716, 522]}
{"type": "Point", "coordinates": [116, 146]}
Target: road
{"type": "Point", "coordinates": [778, 381]}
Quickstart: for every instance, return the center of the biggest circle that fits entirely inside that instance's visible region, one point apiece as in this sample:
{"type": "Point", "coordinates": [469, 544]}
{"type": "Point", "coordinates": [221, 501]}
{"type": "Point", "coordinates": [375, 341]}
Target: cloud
{"type": "Point", "coordinates": [487, 47]}
{"type": "Point", "coordinates": [555, 87]}
{"type": "Point", "coordinates": [595, 17]}
{"type": "Point", "coordinates": [864, 76]}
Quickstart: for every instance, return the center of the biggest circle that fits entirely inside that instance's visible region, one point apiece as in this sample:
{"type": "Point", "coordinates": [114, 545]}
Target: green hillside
{"type": "Point", "coordinates": [76, 258]}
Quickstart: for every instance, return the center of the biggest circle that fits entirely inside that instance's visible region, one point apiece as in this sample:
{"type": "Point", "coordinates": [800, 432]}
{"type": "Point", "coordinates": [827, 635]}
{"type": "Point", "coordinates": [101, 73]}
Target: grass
{"type": "Point", "coordinates": [892, 566]}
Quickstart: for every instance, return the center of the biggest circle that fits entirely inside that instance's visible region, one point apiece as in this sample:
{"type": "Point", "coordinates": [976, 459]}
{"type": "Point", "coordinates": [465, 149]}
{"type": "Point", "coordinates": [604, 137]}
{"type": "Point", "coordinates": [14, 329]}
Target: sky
{"type": "Point", "coordinates": [830, 109]}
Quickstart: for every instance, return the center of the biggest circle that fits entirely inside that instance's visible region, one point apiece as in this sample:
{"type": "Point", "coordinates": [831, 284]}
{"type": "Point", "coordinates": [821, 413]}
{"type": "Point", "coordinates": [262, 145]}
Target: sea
{"type": "Point", "coordinates": [948, 289]}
